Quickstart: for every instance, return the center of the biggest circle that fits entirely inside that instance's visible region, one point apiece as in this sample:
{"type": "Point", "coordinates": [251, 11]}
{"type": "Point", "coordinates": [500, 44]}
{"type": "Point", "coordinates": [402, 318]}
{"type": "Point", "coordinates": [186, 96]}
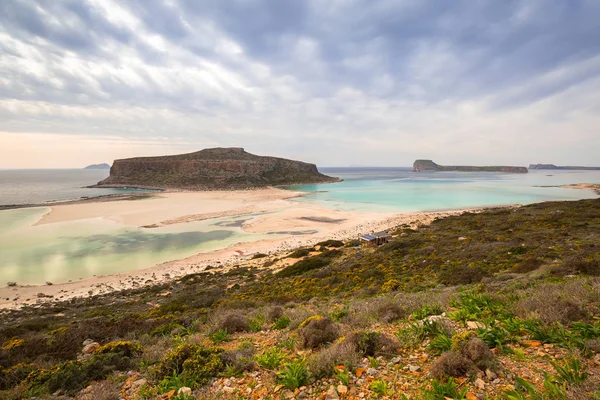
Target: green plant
{"type": "Point", "coordinates": [194, 362]}
{"type": "Point", "coordinates": [256, 323]}
{"type": "Point", "coordinates": [282, 322]}
{"type": "Point", "coordinates": [442, 390]}
{"type": "Point", "coordinates": [494, 336]}
{"type": "Point", "coordinates": [271, 358]}
{"type": "Point", "coordinates": [570, 371]}
{"type": "Point", "coordinates": [339, 313]}
{"type": "Point", "coordinates": [219, 336]}
{"type": "Point", "coordinates": [174, 382]}
{"type": "Point", "coordinates": [426, 311]}
{"type": "Point", "coordinates": [288, 343]}
{"type": "Point", "coordinates": [373, 362]}
{"type": "Point", "coordinates": [380, 388]}
{"type": "Point", "coordinates": [441, 343]}
{"type": "Point", "coordinates": [343, 377]}
{"type": "Point", "coordinates": [294, 374]}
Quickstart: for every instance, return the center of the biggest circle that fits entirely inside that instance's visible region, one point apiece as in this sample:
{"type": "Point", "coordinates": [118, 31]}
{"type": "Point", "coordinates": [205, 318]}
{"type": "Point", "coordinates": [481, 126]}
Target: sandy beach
{"type": "Point", "coordinates": [265, 211]}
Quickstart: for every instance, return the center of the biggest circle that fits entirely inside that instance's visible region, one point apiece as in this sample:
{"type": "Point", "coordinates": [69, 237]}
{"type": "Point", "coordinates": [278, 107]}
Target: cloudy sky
{"type": "Point", "coordinates": [334, 82]}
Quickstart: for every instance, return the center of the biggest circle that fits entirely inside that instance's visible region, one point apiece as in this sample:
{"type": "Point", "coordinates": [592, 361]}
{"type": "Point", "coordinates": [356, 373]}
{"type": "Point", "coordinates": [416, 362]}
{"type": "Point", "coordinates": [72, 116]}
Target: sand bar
{"type": "Point", "coordinates": [265, 211]}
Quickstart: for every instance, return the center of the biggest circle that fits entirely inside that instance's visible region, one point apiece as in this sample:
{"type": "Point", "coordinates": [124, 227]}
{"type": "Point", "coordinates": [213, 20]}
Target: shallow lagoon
{"type": "Point", "coordinates": [401, 190]}
{"type": "Point", "coordinates": [60, 252]}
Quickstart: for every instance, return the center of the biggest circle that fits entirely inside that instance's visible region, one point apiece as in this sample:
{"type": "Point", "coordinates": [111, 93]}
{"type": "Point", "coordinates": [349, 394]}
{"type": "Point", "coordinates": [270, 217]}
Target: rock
{"type": "Point", "coordinates": [218, 168]}
{"type": "Point", "coordinates": [395, 360]}
{"type": "Point", "coordinates": [490, 374]}
{"type": "Point", "coordinates": [372, 372]}
{"type": "Point", "coordinates": [475, 325]}
{"type": "Point", "coordinates": [11, 283]}
{"type": "Point", "coordinates": [227, 382]}
{"type": "Point", "coordinates": [228, 389]}
{"type": "Point", "coordinates": [88, 341]}
{"type": "Point", "coordinates": [184, 391]}
{"type": "Point", "coordinates": [288, 394]}
{"type": "Point", "coordinates": [414, 368]}
{"type": "Point", "coordinates": [49, 283]}
{"type": "Point", "coordinates": [90, 348]}
{"type": "Point", "coordinates": [480, 384]}
{"type": "Point", "coordinates": [332, 394]}
{"type": "Point", "coordinates": [342, 389]}
{"type": "Point", "coordinates": [462, 238]}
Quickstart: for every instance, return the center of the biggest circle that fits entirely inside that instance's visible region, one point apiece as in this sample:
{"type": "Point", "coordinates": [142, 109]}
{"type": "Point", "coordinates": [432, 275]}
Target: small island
{"type": "Point", "coordinates": [98, 166]}
{"type": "Point", "coordinates": [562, 167]}
{"type": "Point", "coordinates": [430, 166]}
{"type": "Point", "coordinates": [212, 169]}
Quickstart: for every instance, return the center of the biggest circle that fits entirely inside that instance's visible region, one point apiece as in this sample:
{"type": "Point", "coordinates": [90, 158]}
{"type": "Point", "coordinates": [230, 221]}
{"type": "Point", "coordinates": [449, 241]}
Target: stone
{"type": "Point", "coordinates": [90, 348]}
{"type": "Point", "coordinates": [228, 389]}
{"type": "Point", "coordinates": [480, 384]}
{"type": "Point", "coordinates": [88, 341]}
{"type": "Point", "coordinates": [184, 391]}
{"type": "Point", "coordinates": [12, 283]}
{"type": "Point", "coordinates": [395, 360]}
{"type": "Point", "coordinates": [372, 372]}
{"type": "Point", "coordinates": [332, 394]}
{"type": "Point", "coordinates": [227, 382]}
{"type": "Point", "coordinates": [490, 374]}
{"type": "Point", "coordinates": [414, 368]}
{"type": "Point", "coordinates": [475, 325]}
{"type": "Point", "coordinates": [49, 283]}
{"type": "Point", "coordinates": [342, 389]}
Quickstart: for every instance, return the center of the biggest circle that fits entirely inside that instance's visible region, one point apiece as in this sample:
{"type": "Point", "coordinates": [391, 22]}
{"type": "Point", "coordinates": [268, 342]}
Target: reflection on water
{"type": "Point", "coordinates": [34, 254]}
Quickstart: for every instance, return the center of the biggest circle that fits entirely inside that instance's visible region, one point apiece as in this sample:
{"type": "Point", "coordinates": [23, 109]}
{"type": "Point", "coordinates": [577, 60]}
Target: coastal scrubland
{"type": "Point", "coordinates": [498, 304]}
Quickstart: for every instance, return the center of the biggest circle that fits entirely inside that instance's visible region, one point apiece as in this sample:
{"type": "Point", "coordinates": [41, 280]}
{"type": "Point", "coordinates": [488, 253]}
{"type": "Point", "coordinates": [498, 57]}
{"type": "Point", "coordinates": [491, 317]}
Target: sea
{"type": "Point", "coordinates": [67, 251]}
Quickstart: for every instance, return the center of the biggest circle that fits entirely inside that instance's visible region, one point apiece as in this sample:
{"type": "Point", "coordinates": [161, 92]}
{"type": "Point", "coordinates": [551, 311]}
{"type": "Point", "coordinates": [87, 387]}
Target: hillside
{"type": "Point", "coordinates": [501, 304]}
{"type": "Point", "coordinates": [430, 166]}
{"type": "Point", "coordinates": [212, 169]}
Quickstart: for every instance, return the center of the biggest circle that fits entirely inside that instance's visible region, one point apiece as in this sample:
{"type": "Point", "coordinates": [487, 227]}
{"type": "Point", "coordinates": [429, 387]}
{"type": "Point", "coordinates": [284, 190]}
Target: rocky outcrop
{"type": "Point", "coordinates": [212, 169]}
{"type": "Point", "coordinates": [429, 166]}
{"type": "Point", "coordinates": [565, 167]}
{"type": "Point", "coordinates": [98, 166]}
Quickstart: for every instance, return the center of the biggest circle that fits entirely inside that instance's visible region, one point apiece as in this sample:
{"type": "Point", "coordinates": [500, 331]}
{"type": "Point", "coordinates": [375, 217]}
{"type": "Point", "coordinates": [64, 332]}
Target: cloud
{"type": "Point", "coordinates": [324, 81]}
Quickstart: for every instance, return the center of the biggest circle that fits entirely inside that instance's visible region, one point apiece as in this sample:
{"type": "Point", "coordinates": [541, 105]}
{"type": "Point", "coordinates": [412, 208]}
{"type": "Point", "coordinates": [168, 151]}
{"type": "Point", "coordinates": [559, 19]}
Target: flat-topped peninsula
{"type": "Point", "coordinates": [563, 167]}
{"type": "Point", "coordinates": [212, 169]}
{"type": "Point", "coordinates": [430, 166]}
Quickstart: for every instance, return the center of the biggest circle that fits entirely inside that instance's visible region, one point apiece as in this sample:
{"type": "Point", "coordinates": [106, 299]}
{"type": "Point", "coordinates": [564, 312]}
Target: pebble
{"type": "Point", "coordinates": [184, 391]}
{"type": "Point", "coordinates": [332, 394]}
{"type": "Point", "coordinates": [414, 368]}
{"type": "Point", "coordinates": [372, 372]}
{"type": "Point", "coordinates": [480, 384]}
{"type": "Point", "coordinates": [490, 374]}
{"type": "Point", "coordinates": [342, 389]}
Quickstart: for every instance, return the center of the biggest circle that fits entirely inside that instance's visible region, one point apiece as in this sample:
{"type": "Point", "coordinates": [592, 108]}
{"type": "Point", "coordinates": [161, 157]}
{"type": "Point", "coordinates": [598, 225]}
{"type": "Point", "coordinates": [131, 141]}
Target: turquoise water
{"type": "Point", "coordinates": [401, 190]}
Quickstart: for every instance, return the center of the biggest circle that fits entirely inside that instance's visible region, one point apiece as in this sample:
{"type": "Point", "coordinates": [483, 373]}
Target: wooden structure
{"type": "Point", "coordinates": [375, 239]}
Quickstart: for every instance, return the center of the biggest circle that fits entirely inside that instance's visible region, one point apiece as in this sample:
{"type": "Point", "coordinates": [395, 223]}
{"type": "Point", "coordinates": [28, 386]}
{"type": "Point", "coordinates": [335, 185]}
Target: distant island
{"type": "Point", "coordinates": [565, 167]}
{"type": "Point", "coordinates": [212, 169]}
{"type": "Point", "coordinates": [429, 166]}
{"type": "Point", "coordinates": [98, 166]}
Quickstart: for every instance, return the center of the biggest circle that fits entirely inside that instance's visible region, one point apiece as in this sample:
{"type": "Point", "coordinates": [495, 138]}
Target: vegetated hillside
{"type": "Point", "coordinates": [216, 169]}
{"type": "Point", "coordinates": [499, 304]}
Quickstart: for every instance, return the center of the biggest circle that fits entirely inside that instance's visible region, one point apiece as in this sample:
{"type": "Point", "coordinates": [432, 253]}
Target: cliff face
{"type": "Point", "coordinates": [219, 168]}
{"type": "Point", "coordinates": [429, 165]}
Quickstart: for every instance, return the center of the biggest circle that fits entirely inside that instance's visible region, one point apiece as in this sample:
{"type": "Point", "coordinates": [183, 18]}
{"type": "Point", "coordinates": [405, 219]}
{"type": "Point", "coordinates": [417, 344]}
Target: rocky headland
{"type": "Point", "coordinates": [98, 166]}
{"type": "Point", "coordinates": [563, 167]}
{"type": "Point", "coordinates": [430, 166]}
{"type": "Point", "coordinates": [212, 169]}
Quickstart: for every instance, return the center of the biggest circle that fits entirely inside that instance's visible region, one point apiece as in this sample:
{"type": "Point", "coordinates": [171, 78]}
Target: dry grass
{"type": "Point", "coordinates": [318, 332]}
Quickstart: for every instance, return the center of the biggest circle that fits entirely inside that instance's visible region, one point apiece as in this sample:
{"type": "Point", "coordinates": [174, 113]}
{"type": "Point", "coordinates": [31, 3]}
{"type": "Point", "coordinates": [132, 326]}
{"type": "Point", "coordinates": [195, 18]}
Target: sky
{"type": "Point", "coordinates": [333, 82]}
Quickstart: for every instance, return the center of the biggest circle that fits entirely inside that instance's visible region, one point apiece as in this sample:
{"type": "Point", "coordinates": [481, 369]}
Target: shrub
{"type": "Point", "coordinates": [584, 266]}
{"type": "Point", "coordinates": [318, 332]}
{"type": "Point", "coordinates": [390, 311]}
{"type": "Point", "coordinates": [453, 364]}
{"type": "Point", "coordinates": [16, 374]}
{"type": "Point", "coordinates": [294, 374]}
{"type": "Point", "coordinates": [310, 263]}
{"type": "Point", "coordinates": [373, 344]}
{"type": "Point", "coordinates": [299, 253]}
{"type": "Point", "coordinates": [380, 388]}
{"type": "Point", "coordinates": [444, 390]}
{"type": "Point", "coordinates": [72, 376]}
{"type": "Point", "coordinates": [219, 336]}
{"type": "Point", "coordinates": [344, 353]}
{"type": "Point", "coordinates": [331, 243]}
{"type": "Point", "coordinates": [193, 361]}
{"type": "Point", "coordinates": [238, 361]}
{"type": "Point", "coordinates": [233, 323]}
{"type": "Point", "coordinates": [259, 255]}
{"type": "Point", "coordinates": [461, 275]}
{"type": "Point", "coordinates": [548, 308]}
{"type": "Point", "coordinates": [125, 347]}
{"type": "Point", "coordinates": [274, 313]}
{"type": "Point", "coordinates": [281, 322]}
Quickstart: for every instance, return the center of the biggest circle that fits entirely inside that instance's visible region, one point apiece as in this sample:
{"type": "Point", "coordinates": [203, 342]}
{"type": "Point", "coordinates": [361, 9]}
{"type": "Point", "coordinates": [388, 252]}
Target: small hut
{"type": "Point", "coordinates": [376, 239]}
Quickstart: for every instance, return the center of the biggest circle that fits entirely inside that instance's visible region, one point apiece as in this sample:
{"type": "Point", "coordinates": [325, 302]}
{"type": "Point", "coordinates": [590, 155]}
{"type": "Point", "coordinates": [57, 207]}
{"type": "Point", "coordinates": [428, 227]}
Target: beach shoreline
{"type": "Point", "coordinates": [272, 209]}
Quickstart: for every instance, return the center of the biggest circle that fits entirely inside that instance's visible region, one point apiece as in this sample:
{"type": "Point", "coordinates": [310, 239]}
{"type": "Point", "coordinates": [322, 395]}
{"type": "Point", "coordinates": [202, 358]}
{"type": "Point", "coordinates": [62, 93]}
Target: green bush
{"type": "Point", "coordinates": [195, 362]}
{"type": "Point", "coordinates": [294, 374]}
{"type": "Point", "coordinates": [310, 263]}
